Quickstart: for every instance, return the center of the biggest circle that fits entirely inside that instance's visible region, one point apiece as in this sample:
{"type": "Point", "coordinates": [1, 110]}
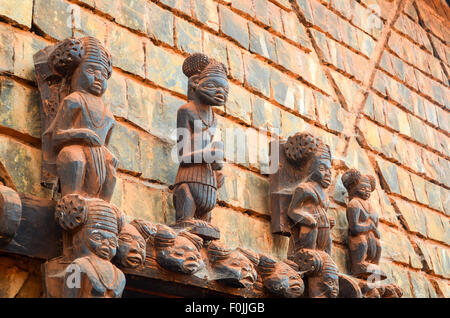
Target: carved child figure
{"type": "Point", "coordinates": [198, 177]}
{"type": "Point", "coordinates": [80, 132]}
{"type": "Point", "coordinates": [364, 237]}
{"type": "Point", "coordinates": [310, 226]}
{"type": "Point", "coordinates": [96, 224]}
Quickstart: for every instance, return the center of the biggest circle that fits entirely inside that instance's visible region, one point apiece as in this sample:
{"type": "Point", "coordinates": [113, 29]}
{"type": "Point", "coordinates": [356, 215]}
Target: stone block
{"type": "Point", "coordinates": [157, 161]}
{"type": "Point", "coordinates": [369, 135]}
{"type": "Point", "coordinates": [143, 201]}
{"type": "Point", "coordinates": [160, 24]}
{"type": "Point", "coordinates": [419, 188]}
{"type": "Point", "coordinates": [171, 75]}
{"type": "Point", "coordinates": [283, 89]}
{"type": "Point", "coordinates": [412, 217]}
{"type": "Point", "coordinates": [123, 44]}
{"type": "Point", "coordinates": [18, 11]}
{"type": "Point", "coordinates": [421, 287]}
{"type": "Point", "coordinates": [141, 100]}
{"type": "Point", "coordinates": [189, 37]}
{"type": "Point", "coordinates": [54, 18]}
{"type": "Point", "coordinates": [257, 75]}
{"type": "Point", "coordinates": [435, 228]}
{"type": "Point", "coordinates": [132, 14]}
{"type": "Point", "coordinates": [183, 6]}
{"type": "Point", "coordinates": [234, 26]}
{"type": "Point", "coordinates": [389, 175]}
{"type": "Point", "coordinates": [290, 124]}
{"type": "Point", "coordinates": [124, 144]}
{"type": "Point", "coordinates": [236, 64]}
{"type": "Point", "coordinates": [239, 103]}
{"type": "Point", "coordinates": [88, 24]}
{"type": "Point", "coordinates": [6, 49]}
{"type": "Point", "coordinates": [305, 103]}
{"type": "Point", "coordinates": [262, 42]}
{"type": "Point", "coordinates": [115, 96]}
{"type": "Point", "coordinates": [404, 182]}
{"type": "Point", "coordinates": [275, 21]}
{"type": "Point", "coordinates": [265, 115]}
{"type": "Point", "coordinates": [205, 11]}
{"type": "Point", "coordinates": [396, 247]}
{"type": "Point", "coordinates": [164, 116]}
{"type": "Point", "coordinates": [434, 196]}
{"type": "Point", "coordinates": [294, 30]}
{"type": "Point", "coordinates": [216, 48]}
{"type": "Point", "coordinates": [19, 108]}
{"type": "Point", "coordinates": [234, 231]}
{"type": "Point", "coordinates": [12, 277]}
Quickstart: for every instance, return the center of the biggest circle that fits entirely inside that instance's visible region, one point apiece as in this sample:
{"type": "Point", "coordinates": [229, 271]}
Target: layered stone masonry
{"type": "Point", "coordinates": [285, 73]}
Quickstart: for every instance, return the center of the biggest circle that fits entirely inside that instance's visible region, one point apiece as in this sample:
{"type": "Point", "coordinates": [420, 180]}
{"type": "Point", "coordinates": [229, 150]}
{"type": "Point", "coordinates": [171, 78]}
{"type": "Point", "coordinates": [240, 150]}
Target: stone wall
{"type": "Point", "coordinates": [371, 77]}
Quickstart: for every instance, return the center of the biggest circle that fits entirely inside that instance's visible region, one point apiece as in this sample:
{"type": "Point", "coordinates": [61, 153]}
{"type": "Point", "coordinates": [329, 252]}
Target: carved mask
{"type": "Point", "coordinates": [280, 278]}
{"type": "Point", "coordinates": [131, 250]}
{"type": "Point", "coordinates": [212, 90]}
{"type": "Point", "coordinates": [358, 184]}
{"type": "Point", "coordinates": [232, 267]}
{"type": "Point", "coordinates": [179, 253]}
{"type": "Point", "coordinates": [102, 243]}
{"type": "Point", "coordinates": [364, 188]}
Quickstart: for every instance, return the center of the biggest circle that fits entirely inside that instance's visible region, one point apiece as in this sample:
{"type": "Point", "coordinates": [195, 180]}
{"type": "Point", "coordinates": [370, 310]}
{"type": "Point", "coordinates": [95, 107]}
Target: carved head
{"type": "Point", "coordinates": [357, 184]}
{"type": "Point", "coordinates": [236, 268]}
{"type": "Point", "coordinates": [208, 81]}
{"type": "Point", "coordinates": [179, 253]}
{"type": "Point", "coordinates": [304, 150]}
{"type": "Point", "coordinates": [131, 250]}
{"type": "Point", "coordinates": [280, 278]}
{"type": "Point", "coordinates": [85, 63]}
{"type": "Point", "coordinates": [95, 223]}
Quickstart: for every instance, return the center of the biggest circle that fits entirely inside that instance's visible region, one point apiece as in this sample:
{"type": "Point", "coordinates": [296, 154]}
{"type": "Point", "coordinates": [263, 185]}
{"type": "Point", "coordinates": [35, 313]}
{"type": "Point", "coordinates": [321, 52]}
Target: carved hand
{"type": "Point", "coordinates": [89, 136]}
{"type": "Point", "coordinates": [332, 222]}
{"type": "Point", "coordinates": [220, 179]}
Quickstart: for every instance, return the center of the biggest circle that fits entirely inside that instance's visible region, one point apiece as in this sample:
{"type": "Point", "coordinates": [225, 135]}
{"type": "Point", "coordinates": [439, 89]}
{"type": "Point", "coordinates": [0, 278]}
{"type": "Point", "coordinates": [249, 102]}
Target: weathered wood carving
{"type": "Point", "coordinates": [299, 203]}
{"type": "Point", "coordinates": [199, 176]}
{"type": "Point", "coordinates": [280, 279]}
{"type": "Point", "coordinates": [72, 77]}
{"type": "Point", "coordinates": [364, 243]}
{"type": "Point", "coordinates": [364, 237]}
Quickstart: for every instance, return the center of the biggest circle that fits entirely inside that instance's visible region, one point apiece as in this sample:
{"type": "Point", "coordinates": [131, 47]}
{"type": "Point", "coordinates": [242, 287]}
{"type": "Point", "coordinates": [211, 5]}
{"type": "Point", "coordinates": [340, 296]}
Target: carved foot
{"type": "Point", "coordinates": [204, 229]}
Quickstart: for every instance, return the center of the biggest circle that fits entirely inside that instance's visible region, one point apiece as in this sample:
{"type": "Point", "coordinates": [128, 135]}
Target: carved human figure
{"type": "Point", "coordinates": [79, 134]}
{"type": "Point", "coordinates": [280, 278]}
{"type": "Point", "coordinates": [199, 176]}
{"type": "Point", "coordinates": [307, 212]}
{"type": "Point", "coordinates": [131, 247]}
{"type": "Point", "coordinates": [364, 237]}
{"type": "Point", "coordinates": [236, 268]}
{"type": "Point", "coordinates": [178, 252]}
{"type": "Point", "coordinates": [96, 224]}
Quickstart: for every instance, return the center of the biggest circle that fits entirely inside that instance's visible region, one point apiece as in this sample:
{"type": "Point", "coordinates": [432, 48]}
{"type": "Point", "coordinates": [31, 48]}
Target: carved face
{"type": "Point", "coordinates": [330, 286]}
{"type": "Point", "coordinates": [131, 250]}
{"type": "Point", "coordinates": [284, 281]}
{"type": "Point", "coordinates": [237, 270]}
{"type": "Point", "coordinates": [321, 172]}
{"type": "Point", "coordinates": [182, 257]}
{"type": "Point", "coordinates": [90, 77]}
{"type": "Point", "coordinates": [363, 189]}
{"type": "Point", "coordinates": [102, 243]}
{"type": "Point", "coordinates": [213, 90]}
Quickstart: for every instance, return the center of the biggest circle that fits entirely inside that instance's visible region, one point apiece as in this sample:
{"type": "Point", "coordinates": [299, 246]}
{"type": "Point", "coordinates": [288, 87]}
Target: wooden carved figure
{"type": "Point", "coordinates": [236, 268]}
{"type": "Point", "coordinates": [178, 252]}
{"type": "Point", "coordinates": [131, 247]}
{"type": "Point", "coordinates": [199, 176]}
{"type": "Point", "coordinates": [299, 208]}
{"type": "Point", "coordinates": [280, 278]}
{"type": "Point", "coordinates": [364, 237]}
{"type": "Point", "coordinates": [95, 225]}
{"type": "Point", "coordinates": [72, 77]}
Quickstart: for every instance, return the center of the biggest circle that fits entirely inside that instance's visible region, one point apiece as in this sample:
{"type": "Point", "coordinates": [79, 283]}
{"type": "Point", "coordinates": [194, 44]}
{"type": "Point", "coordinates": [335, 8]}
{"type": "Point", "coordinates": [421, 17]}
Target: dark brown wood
{"type": "Point", "coordinates": [199, 176]}
{"type": "Point", "coordinates": [364, 238]}
{"type": "Point", "coordinates": [10, 214]}
{"type": "Point", "coordinates": [38, 234]}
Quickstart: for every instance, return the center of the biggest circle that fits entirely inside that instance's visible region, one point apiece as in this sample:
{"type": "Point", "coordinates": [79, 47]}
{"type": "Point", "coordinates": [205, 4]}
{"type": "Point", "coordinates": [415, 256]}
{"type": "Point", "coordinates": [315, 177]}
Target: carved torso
{"type": "Point", "coordinates": [366, 214]}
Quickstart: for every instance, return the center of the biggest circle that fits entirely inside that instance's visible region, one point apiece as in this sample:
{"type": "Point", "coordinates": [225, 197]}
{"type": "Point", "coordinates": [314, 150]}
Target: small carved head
{"type": "Point", "coordinates": [280, 278]}
{"type": "Point", "coordinates": [357, 184]}
{"type": "Point", "coordinates": [208, 81]}
{"type": "Point", "coordinates": [85, 62]}
{"type": "Point", "coordinates": [236, 268]}
{"type": "Point", "coordinates": [303, 149]}
{"type": "Point", "coordinates": [179, 253]}
{"type": "Point", "coordinates": [95, 223]}
{"type": "Point", "coordinates": [131, 250]}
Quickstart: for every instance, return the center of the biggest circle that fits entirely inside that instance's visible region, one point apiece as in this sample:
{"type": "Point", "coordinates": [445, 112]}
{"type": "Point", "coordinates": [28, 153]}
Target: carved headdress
{"type": "Point", "coordinates": [353, 177]}
{"type": "Point", "coordinates": [303, 146]}
{"type": "Point", "coordinates": [201, 65]}
{"type": "Point", "coordinates": [72, 52]}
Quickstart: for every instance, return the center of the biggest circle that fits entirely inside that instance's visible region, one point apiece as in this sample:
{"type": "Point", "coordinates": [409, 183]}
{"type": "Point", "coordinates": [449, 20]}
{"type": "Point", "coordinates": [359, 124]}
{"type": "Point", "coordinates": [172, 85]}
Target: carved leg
{"type": "Point", "coordinates": [70, 165]}
{"type": "Point", "coordinates": [109, 184]}
{"type": "Point", "coordinates": [358, 251]}
{"type": "Point", "coordinates": [184, 202]}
